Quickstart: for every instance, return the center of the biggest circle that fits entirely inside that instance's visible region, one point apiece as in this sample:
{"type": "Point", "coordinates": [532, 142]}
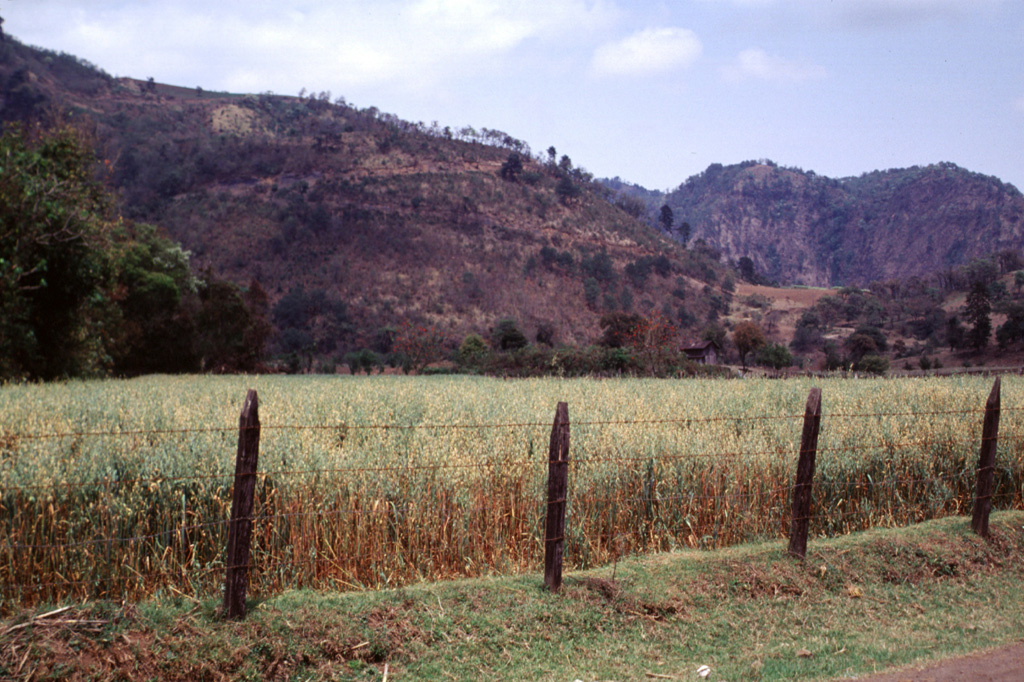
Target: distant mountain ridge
{"type": "Point", "coordinates": [802, 228]}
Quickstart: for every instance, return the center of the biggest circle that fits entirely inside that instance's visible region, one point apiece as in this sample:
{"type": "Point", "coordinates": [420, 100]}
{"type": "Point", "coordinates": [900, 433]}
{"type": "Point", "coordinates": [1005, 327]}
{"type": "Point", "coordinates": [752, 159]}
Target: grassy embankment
{"type": "Point", "coordinates": [859, 603]}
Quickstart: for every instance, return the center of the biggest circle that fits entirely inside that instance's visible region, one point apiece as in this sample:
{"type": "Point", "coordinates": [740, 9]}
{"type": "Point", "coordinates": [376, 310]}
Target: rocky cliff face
{"type": "Point", "coordinates": [802, 228]}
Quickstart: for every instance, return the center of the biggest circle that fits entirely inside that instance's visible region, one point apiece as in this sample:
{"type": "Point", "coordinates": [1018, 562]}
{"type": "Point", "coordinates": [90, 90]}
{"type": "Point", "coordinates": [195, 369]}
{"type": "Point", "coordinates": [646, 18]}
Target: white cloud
{"type": "Point", "coordinates": [755, 63]}
{"type": "Point", "coordinates": [648, 51]}
{"type": "Point", "coordinates": [406, 44]}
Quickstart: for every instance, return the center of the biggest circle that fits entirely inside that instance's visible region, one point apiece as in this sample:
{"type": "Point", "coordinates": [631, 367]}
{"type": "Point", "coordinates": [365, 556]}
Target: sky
{"type": "Point", "coordinates": [649, 91]}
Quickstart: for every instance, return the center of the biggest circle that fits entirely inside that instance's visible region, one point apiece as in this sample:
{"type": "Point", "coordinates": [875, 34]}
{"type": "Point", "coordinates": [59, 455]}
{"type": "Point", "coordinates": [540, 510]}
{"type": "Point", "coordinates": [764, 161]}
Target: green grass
{"type": "Point", "coordinates": [859, 603]}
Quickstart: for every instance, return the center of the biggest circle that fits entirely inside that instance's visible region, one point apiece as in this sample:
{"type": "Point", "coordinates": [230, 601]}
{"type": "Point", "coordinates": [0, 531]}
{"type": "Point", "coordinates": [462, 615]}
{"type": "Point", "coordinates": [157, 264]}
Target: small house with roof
{"type": "Point", "coordinates": [703, 353]}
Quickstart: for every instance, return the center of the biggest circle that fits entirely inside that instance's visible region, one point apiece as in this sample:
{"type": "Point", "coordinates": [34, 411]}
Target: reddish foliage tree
{"type": "Point", "coordinates": [655, 340]}
{"type": "Point", "coordinates": [747, 337]}
{"type": "Point", "coordinates": [420, 345]}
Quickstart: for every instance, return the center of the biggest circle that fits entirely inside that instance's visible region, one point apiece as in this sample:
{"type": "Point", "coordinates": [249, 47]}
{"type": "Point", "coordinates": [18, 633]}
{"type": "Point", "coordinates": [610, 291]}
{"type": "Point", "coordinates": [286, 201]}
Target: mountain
{"type": "Point", "coordinates": [356, 222]}
{"type": "Point", "coordinates": [801, 228]}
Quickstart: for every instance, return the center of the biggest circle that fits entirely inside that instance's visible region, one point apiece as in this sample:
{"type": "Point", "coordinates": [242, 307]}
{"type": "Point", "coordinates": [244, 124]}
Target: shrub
{"type": "Point", "coordinates": [873, 364]}
{"type": "Point", "coordinates": [506, 335]}
{"type": "Point", "coordinates": [545, 334]}
{"type": "Point", "coordinates": [473, 350]}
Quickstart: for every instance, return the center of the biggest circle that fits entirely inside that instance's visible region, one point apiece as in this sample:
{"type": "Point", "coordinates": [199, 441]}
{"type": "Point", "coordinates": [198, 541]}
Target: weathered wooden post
{"type": "Point", "coordinates": [558, 479]}
{"type": "Point", "coordinates": [805, 476]}
{"type": "Point", "coordinates": [240, 528]}
{"type": "Point", "coordinates": [986, 463]}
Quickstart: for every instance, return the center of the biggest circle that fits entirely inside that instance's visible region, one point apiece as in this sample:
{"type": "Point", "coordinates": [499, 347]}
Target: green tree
{"type": "Point", "coordinates": [858, 345]}
{"type": "Point", "coordinates": [473, 350]}
{"type": "Point", "coordinates": [977, 311]}
{"type": "Point", "coordinates": [1012, 330]}
{"type": "Point", "coordinates": [618, 328]}
{"type": "Point", "coordinates": [828, 309]}
{"type": "Point", "coordinates": [599, 266]}
{"type": "Point", "coordinates": [872, 364]}
{"type": "Point", "coordinates": [231, 327]}
{"type": "Point", "coordinates": [513, 167]}
{"type": "Point", "coordinates": [545, 334]}
{"type": "Point", "coordinates": [775, 355]}
{"type": "Point", "coordinates": [715, 333]}
{"type": "Point", "coordinates": [982, 270]}
{"type": "Point", "coordinates": [808, 333]}
{"type": "Point", "coordinates": [956, 335]}
{"type": "Point", "coordinates": [748, 338]}
{"type": "Point", "coordinates": [684, 233]}
{"type": "Point", "coordinates": [747, 271]}
{"type": "Point", "coordinates": [507, 336]}
{"type": "Point", "coordinates": [567, 190]}
{"type": "Point", "coordinates": [666, 218]}
{"type": "Point", "coordinates": [876, 334]}
{"type": "Point", "coordinates": [833, 360]}
{"type": "Point", "coordinates": [364, 360]}
{"type": "Point", "coordinates": [152, 287]}
{"type": "Point", "coordinates": [55, 231]}
{"type": "Point", "coordinates": [322, 318]}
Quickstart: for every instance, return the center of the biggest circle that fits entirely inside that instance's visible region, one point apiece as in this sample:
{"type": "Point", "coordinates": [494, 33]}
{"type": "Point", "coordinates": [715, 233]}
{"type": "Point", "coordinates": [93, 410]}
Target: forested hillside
{"type": "Point", "coordinates": [357, 223]}
{"type": "Point", "coordinates": [328, 233]}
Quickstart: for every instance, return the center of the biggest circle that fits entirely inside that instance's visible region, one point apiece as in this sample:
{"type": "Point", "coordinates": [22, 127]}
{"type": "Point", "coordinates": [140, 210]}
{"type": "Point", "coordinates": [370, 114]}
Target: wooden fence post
{"type": "Point", "coordinates": [558, 479]}
{"type": "Point", "coordinates": [986, 463]}
{"type": "Point", "coordinates": [805, 476]}
{"type": "Point", "coordinates": [240, 528]}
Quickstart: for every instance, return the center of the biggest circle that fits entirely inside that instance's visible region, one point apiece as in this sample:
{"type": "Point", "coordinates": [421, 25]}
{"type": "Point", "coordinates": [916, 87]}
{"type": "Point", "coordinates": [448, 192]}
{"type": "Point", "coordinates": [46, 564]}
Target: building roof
{"type": "Point", "coordinates": [701, 346]}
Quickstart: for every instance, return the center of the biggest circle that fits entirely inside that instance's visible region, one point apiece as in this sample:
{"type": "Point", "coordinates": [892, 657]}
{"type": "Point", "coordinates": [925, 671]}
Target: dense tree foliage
{"type": "Point", "coordinates": [154, 288]}
{"type": "Point", "coordinates": [618, 328]}
{"type": "Point", "coordinates": [666, 218]}
{"type": "Point", "coordinates": [1011, 331]}
{"type": "Point", "coordinates": [507, 336]}
{"type": "Point", "coordinates": [977, 310]}
{"type": "Point", "coordinates": [55, 231]}
{"type": "Point", "coordinates": [774, 355]}
{"type": "Point", "coordinates": [512, 168]}
{"type": "Point", "coordinates": [84, 293]}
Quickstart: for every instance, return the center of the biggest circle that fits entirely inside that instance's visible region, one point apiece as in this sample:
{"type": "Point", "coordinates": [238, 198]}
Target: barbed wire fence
{"type": "Point", "coordinates": [367, 526]}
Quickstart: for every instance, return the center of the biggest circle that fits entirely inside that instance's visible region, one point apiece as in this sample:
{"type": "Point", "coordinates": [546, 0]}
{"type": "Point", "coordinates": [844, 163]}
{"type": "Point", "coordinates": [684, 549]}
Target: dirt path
{"type": "Point", "coordinates": [996, 665]}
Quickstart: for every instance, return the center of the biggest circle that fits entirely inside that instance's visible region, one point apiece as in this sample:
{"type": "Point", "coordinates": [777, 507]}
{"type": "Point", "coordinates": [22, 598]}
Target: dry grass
{"type": "Point", "coordinates": [385, 481]}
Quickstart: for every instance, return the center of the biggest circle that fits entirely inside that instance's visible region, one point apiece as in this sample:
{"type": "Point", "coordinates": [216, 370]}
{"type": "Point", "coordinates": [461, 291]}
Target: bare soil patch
{"type": "Point", "coordinates": [784, 297]}
{"type": "Point", "coordinates": [997, 665]}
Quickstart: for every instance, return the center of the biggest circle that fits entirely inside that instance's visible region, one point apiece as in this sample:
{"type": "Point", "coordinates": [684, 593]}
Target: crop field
{"type": "Point", "coordinates": [123, 488]}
